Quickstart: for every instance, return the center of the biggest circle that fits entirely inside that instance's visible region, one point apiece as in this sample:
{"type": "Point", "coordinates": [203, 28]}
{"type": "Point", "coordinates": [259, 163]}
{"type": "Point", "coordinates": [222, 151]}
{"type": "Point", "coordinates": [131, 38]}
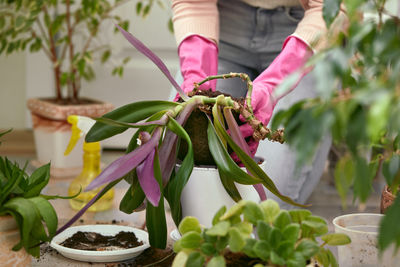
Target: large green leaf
{"type": "Point", "coordinates": [363, 179]}
{"type": "Point", "coordinates": [330, 10]}
{"type": "Point", "coordinates": [13, 176]}
{"type": "Point", "coordinates": [219, 229]}
{"type": "Point", "coordinates": [344, 177]}
{"type": "Point", "coordinates": [133, 112]}
{"type": "Point", "coordinates": [217, 261]}
{"type": "Point", "coordinates": [226, 164]}
{"type": "Point", "coordinates": [236, 240]}
{"type": "Point", "coordinates": [191, 240]}
{"type": "Point", "coordinates": [391, 172]}
{"type": "Point", "coordinates": [188, 224]}
{"type": "Point", "coordinates": [133, 144]}
{"type": "Point", "coordinates": [389, 230]}
{"type": "Point", "coordinates": [336, 239]}
{"type": "Point", "coordinates": [195, 259]}
{"type": "Point", "coordinates": [47, 213]}
{"type": "Point", "coordinates": [155, 216]}
{"type": "Point", "coordinates": [133, 197]}
{"type": "Point", "coordinates": [308, 248]}
{"type": "Point", "coordinates": [37, 181]}
{"type": "Point", "coordinates": [177, 183]}
{"type": "Point", "coordinates": [29, 215]}
{"type": "Point", "coordinates": [229, 186]}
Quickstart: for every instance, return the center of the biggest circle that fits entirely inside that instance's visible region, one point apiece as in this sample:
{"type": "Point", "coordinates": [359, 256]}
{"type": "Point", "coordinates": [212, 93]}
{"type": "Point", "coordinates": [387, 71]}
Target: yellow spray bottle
{"type": "Point", "coordinates": [91, 168]}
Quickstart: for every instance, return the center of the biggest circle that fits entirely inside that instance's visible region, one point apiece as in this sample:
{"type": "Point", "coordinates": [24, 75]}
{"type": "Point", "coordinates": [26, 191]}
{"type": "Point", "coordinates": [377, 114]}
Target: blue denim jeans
{"type": "Point", "coordinates": [250, 39]}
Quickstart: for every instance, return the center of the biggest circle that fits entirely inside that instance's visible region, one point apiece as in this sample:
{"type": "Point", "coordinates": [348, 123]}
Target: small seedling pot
{"type": "Point", "coordinates": [204, 194]}
{"type": "Point", "coordinates": [363, 228]}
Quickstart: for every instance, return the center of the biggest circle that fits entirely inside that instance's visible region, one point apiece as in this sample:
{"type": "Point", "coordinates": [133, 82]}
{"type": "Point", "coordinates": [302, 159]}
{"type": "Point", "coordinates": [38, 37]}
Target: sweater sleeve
{"type": "Point", "coordinates": [312, 28]}
{"type": "Point", "coordinates": [195, 17]}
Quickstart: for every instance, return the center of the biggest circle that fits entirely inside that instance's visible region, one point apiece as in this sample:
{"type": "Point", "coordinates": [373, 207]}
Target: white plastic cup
{"type": "Point", "coordinates": [363, 229]}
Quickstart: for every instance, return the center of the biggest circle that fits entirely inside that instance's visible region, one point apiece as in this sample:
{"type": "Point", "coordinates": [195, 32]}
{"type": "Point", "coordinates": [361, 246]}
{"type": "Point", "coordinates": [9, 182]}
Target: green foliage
{"type": "Point", "coordinates": [20, 196]}
{"type": "Point", "coordinates": [289, 239]}
{"type": "Point", "coordinates": [358, 101]}
{"type": "Point", "coordinates": [389, 231]}
{"type": "Point", "coordinates": [330, 11]}
{"type": "Point", "coordinates": [58, 28]}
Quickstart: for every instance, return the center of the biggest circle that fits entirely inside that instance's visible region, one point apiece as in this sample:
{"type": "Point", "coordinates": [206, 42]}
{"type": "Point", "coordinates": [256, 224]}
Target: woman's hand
{"type": "Point", "coordinates": [293, 56]}
{"type": "Point", "coordinates": [198, 59]}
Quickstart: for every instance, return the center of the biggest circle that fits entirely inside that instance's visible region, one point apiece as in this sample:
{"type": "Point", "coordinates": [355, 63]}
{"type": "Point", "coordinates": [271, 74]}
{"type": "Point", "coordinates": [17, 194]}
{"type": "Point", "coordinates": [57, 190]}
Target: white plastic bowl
{"type": "Point", "coordinates": [100, 256]}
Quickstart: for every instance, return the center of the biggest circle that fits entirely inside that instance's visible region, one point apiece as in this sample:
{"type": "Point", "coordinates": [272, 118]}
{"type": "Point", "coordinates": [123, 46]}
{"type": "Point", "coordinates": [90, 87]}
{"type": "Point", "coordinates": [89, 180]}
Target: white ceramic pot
{"type": "Point", "coordinates": [9, 236]}
{"type": "Point", "coordinates": [363, 228]}
{"type": "Point", "coordinates": [204, 194]}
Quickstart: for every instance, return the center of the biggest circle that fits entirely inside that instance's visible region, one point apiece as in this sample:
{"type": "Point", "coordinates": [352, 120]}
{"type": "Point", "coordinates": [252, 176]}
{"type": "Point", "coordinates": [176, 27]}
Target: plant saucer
{"type": "Point", "coordinates": [105, 255]}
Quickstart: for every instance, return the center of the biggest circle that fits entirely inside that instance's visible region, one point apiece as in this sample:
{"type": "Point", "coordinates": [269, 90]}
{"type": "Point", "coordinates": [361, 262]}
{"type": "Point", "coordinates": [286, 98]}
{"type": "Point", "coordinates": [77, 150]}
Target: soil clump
{"type": "Point", "coordinates": [196, 127]}
{"type": "Point", "coordinates": [98, 242]}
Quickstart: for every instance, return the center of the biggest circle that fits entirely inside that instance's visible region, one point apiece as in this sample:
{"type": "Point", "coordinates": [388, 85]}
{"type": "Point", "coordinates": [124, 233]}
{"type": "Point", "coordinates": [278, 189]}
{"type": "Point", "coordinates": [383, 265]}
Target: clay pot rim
{"type": "Point", "coordinates": [54, 111]}
{"type": "Point", "coordinates": [388, 193]}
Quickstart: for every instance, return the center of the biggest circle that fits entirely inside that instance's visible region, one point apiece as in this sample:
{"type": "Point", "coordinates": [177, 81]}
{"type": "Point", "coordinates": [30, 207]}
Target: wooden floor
{"type": "Point", "coordinates": [17, 142]}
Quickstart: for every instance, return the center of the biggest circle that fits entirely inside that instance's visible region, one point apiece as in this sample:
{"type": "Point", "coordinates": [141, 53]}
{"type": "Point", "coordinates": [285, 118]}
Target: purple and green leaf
{"type": "Point", "coordinates": [237, 136]}
{"type": "Point", "coordinates": [126, 163]}
{"type": "Point", "coordinates": [132, 113]}
{"type": "Point", "coordinates": [161, 122]}
{"type": "Point", "coordinates": [88, 205]}
{"type": "Point", "coordinates": [148, 183]}
{"type": "Point", "coordinates": [153, 57]}
{"type": "Point", "coordinates": [169, 145]}
{"type": "Point", "coordinates": [177, 183]}
{"type": "Point", "coordinates": [155, 216]}
{"type": "Point", "coordinates": [257, 174]}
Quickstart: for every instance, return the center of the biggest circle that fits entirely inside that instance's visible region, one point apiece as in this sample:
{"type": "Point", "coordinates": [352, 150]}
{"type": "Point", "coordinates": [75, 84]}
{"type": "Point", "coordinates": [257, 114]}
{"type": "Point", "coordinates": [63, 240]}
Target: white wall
{"type": "Point", "coordinates": [12, 91]}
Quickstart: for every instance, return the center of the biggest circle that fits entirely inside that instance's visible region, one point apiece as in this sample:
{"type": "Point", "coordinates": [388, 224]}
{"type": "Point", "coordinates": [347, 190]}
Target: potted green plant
{"type": "Point", "coordinates": [26, 216]}
{"type": "Point", "coordinates": [362, 116]}
{"type": "Point", "coordinates": [68, 35]}
{"type": "Point", "coordinates": [257, 234]}
{"type": "Point", "coordinates": [149, 165]}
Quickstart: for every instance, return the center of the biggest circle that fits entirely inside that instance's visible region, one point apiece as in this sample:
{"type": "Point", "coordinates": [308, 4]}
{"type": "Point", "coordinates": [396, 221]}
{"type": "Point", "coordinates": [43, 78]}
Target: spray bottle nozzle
{"type": "Point", "coordinates": [80, 126]}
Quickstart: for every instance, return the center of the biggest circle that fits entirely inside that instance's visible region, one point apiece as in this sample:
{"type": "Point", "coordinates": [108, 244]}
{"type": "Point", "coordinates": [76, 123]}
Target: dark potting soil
{"type": "Point", "coordinates": [196, 127]}
{"type": "Point", "coordinates": [98, 242]}
{"type": "Point", "coordinates": [240, 259]}
{"type": "Point", "coordinates": [66, 102]}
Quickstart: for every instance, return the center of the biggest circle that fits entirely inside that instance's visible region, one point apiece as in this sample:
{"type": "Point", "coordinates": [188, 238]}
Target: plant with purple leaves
{"type": "Point", "coordinates": [151, 156]}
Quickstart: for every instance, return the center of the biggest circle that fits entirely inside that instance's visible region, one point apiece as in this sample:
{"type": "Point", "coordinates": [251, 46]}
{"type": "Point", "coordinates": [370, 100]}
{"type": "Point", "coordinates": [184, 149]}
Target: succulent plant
{"type": "Point", "coordinates": [268, 235]}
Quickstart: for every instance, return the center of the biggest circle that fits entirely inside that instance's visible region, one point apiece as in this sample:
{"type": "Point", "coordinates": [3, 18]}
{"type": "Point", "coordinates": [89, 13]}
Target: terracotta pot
{"type": "Point", "coordinates": [9, 236]}
{"type": "Point", "coordinates": [52, 133]}
{"type": "Point", "coordinates": [387, 199]}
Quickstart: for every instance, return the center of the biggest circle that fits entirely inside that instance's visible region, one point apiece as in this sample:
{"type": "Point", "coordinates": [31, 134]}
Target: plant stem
{"type": "Point", "coordinates": [44, 48]}
{"type": "Point", "coordinates": [56, 65]}
{"type": "Point", "coordinates": [261, 132]}
{"type": "Point", "coordinates": [71, 53]}
{"type": "Point", "coordinates": [242, 76]}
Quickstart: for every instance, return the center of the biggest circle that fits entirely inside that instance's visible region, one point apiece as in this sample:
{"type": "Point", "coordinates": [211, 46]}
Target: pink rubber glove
{"type": "Point", "coordinates": [198, 60]}
{"type": "Point", "coordinates": [292, 57]}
